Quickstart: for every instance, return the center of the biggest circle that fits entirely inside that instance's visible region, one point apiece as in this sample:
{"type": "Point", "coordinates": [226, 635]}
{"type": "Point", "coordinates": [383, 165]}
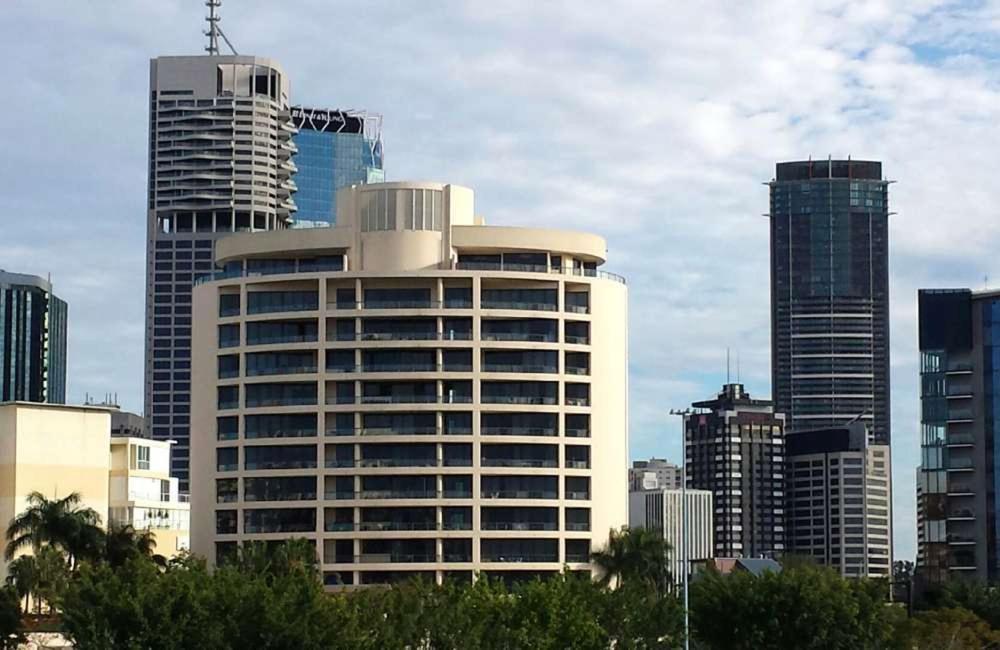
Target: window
{"type": "Point", "coordinates": [142, 457]}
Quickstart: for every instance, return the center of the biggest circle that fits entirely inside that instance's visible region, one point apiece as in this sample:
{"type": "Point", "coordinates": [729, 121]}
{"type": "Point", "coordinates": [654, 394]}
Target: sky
{"type": "Point", "coordinates": [652, 123]}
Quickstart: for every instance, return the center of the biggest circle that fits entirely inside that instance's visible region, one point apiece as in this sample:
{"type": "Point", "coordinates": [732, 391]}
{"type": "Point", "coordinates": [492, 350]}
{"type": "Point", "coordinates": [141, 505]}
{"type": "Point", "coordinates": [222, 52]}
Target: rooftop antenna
{"type": "Point", "coordinates": [727, 366]}
{"type": "Point", "coordinates": [737, 366]}
{"type": "Point", "coordinates": [214, 30]}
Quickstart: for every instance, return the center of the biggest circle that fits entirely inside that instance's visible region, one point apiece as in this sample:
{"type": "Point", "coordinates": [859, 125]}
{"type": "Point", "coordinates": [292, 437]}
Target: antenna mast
{"type": "Point", "coordinates": [214, 30]}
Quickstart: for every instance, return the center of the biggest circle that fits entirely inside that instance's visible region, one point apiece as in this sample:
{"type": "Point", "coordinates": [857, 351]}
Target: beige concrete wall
{"type": "Point", "coordinates": [204, 370]}
{"type": "Point", "coordinates": [55, 450]}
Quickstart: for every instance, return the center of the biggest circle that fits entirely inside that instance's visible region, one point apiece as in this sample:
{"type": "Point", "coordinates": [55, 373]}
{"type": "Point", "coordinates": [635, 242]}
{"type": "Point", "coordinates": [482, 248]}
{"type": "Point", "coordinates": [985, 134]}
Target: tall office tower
{"type": "Point", "coordinates": [735, 450]}
{"type": "Point", "coordinates": [32, 340]}
{"type": "Point", "coordinates": [653, 474]}
{"type": "Point", "coordinates": [840, 500]}
{"type": "Point", "coordinates": [960, 399]}
{"type": "Point", "coordinates": [830, 294]}
{"type": "Point", "coordinates": [220, 147]}
{"type": "Point", "coordinates": [337, 149]}
{"type": "Point", "coordinates": [663, 511]}
{"type": "Point", "coordinates": [418, 393]}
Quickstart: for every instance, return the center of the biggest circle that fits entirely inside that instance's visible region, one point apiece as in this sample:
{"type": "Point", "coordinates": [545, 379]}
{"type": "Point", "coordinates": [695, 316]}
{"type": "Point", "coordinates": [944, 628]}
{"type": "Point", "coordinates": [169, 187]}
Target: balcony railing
{"type": "Point", "coordinates": [578, 496]}
{"type": "Point", "coordinates": [520, 306]}
{"type": "Point", "coordinates": [519, 367]}
{"type": "Point", "coordinates": [519, 462]}
{"type": "Point", "coordinates": [384, 431]}
{"type": "Point", "coordinates": [397, 525]}
{"type": "Point", "coordinates": [519, 431]}
{"type": "Point", "coordinates": [518, 399]}
{"type": "Point", "coordinates": [399, 494]}
{"type": "Point", "coordinates": [577, 340]}
{"type": "Point", "coordinates": [577, 526]}
{"type": "Point", "coordinates": [578, 401]}
{"type": "Point", "coordinates": [577, 433]}
{"type": "Point", "coordinates": [520, 557]}
{"type": "Point", "coordinates": [520, 336]}
{"type": "Point", "coordinates": [520, 525]}
{"type": "Point", "coordinates": [520, 494]}
{"type": "Point", "coordinates": [393, 558]}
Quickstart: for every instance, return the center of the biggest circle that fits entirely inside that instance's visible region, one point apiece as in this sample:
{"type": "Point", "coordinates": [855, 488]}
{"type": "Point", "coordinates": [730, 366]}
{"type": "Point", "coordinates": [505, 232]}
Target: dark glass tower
{"type": "Point", "coordinates": [336, 149]}
{"type": "Point", "coordinates": [957, 481]}
{"type": "Point", "coordinates": [32, 340]}
{"type": "Point", "coordinates": [830, 295]}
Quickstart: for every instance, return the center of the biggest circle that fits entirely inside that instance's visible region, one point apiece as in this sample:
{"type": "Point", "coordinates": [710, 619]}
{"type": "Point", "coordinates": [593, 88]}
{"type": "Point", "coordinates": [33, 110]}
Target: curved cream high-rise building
{"type": "Point", "coordinates": [416, 391]}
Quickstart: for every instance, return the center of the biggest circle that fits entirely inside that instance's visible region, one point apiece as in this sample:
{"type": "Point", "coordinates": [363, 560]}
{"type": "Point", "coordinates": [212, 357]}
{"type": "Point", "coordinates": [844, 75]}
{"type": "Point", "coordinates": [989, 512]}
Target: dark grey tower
{"type": "Point", "coordinates": [830, 295]}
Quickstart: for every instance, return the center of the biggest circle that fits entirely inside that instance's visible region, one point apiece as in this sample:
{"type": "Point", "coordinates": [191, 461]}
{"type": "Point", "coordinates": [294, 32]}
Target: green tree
{"type": "Point", "coordinates": [635, 554]}
{"type": "Point", "coordinates": [53, 577]}
{"type": "Point", "coordinates": [11, 625]}
{"type": "Point", "coordinates": [950, 629]}
{"type": "Point", "coordinates": [636, 617]}
{"type": "Point", "coordinates": [801, 608]}
{"type": "Point", "coordinates": [61, 523]}
{"type": "Point", "coordinates": [980, 598]}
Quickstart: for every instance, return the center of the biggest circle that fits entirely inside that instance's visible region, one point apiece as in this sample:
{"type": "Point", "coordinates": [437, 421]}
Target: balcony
{"type": "Point", "coordinates": [399, 494]}
{"type": "Point", "coordinates": [960, 440]}
{"type": "Point", "coordinates": [520, 525]}
{"type": "Point", "coordinates": [396, 558]}
{"type": "Point", "coordinates": [961, 514]}
{"type": "Point", "coordinates": [577, 401]}
{"type": "Point", "coordinates": [519, 306]}
{"type": "Point", "coordinates": [400, 304]}
{"type": "Point", "coordinates": [339, 495]}
{"type": "Point", "coordinates": [520, 368]}
{"type": "Point", "coordinates": [373, 526]}
{"type": "Point", "coordinates": [518, 462]}
{"type": "Point", "coordinates": [519, 399]}
{"type": "Point", "coordinates": [398, 462]}
{"type": "Point", "coordinates": [519, 431]}
{"type": "Point", "coordinates": [521, 494]}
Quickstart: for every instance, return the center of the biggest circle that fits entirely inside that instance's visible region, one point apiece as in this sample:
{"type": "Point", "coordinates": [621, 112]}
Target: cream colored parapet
{"type": "Point", "coordinates": [585, 246]}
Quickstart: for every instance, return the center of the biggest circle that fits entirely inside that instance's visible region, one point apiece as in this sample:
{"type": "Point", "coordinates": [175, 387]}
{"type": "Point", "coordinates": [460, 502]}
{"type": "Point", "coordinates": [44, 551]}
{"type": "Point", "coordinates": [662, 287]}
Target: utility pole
{"type": "Point", "coordinates": [684, 413]}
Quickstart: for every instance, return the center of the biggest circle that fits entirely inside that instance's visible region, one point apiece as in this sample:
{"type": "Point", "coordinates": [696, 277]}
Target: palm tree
{"type": "Point", "coordinates": [61, 523]}
{"type": "Point", "coordinates": [634, 555]}
{"type": "Point", "coordinates": [22, 574]}
{"type": "Point", "coordinates": [123, 542]}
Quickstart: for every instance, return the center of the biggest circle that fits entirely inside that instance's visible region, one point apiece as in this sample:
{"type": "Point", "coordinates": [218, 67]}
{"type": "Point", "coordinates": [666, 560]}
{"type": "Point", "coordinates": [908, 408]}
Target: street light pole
{"type": "Point", "coordinates": [684, 413]}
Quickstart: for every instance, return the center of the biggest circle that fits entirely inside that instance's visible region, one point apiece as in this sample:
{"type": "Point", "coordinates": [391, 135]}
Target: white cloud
{"type": "Point", "coordinates": [651, 123]}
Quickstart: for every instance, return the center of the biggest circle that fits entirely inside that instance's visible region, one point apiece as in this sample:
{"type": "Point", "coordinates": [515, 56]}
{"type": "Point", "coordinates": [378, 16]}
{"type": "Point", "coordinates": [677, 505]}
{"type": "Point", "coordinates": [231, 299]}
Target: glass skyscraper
{"type": "Point", "coordinates": [32, 340]}
{"type": "Point", "coordinates": [957, 481]}
{"type": "Point", "coordinates": [336, 149]}
{"type": "Point", "coordinates": [830, 295]}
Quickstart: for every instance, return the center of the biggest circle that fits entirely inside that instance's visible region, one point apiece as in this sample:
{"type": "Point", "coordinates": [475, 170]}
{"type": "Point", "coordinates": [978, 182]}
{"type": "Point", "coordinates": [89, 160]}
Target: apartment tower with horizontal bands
{"type": "Point", "coordinates": [220, 148]}
{"type": "Point", "coordinates": [416, 392]}
{"type": "Point", "coordinates": [830, 295]}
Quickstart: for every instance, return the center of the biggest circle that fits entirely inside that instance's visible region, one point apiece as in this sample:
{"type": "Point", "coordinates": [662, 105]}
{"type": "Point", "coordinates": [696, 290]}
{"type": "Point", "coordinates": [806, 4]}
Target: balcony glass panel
{"type": "Point", "coordinates": [229, 366]}
{"type": "Point", "coordinates": [280, 363]}
{"type": "Point", "coordinates": [228, 397]}
{"type": "Point", "coordinates": [339, 456]}
{"type": "Point", "coordinates": [519, 550]}
{"type": "Point", "coordinates": [377, 551]}
{"type": "Point", "coordinates": [456, 392]}
{"type": "Point", "coordinates": [279, 520]}
{"type": "Point", "coordinates": [456, 423]}
{"type": "Point", "coordinates": [531, 361]}
{"type": "Point", "coordinates": [456, 454]}
{"type": "Point", "coordinates": [340, 424]}
{"type": "Point", "coordinates": [456, 518]}
{"type": "Point", "coordinates": [456, 329]}
{"type": "Point", "coordinates": [519, 424]}
{"type": "Point", "coordinates": [229, 305]}
{"type": "Point", "coordinates": [456, 360]}
{"type": "Point", "coordinates": [279, 457]}
{"type": "Point", "coordinates": [227, 490]}
{"type": "Point", "coordinates": [458, 297]}
{"type": "Point", "coordinates": [519, 518]}
{"type": "Point", "coordinates": [277, 332]}
{"type": "Point", "coordinates": [225, 522]}
{"type": "Point", "coordinates": [398, 487]}
{"type": "Point", "coordinates": [340, 361]}
{"type": "Point", "coordinates": [519, 392]}
{"type": "Point", "coordinates": [229, 336]}
{"type": "Point", "coordinates": [267, 302]}
{"type": "Point", "coordinates": [297, 394]}
{"type": "Point", "coordinates": [456, 550]}
{"type": "Point", "coordinates": [375, 424]}
{"type": "Point", "coordinates": [577, 363]}
{"type": "Point", "coordinates": [577, 332]}
{"type": "Point", "coordinates": [515, 455]}
{"type": "Point", "coordinates": [417, 392]}
{"type": "Point", "coordinates": [578, 550]}
{"type": "Point", "coordinates": [529, 299]}
{"type": "Point", "coordinates": [227, 459]}
{"type": "Point", "coordinates": [578, 302]}
{"type": "Point", "coordinates": [519, 487]}
{"type": "Point", "coordinates": [340, 329]}
{"type": "Point", "coordinates": [269, 267]}
{"type": "Point", "coordinates": [323, 263]}
{"type": "Point", "coordinates": [577, 519]}
{"type": "Point", "coordinates": [227, 427]}
{"type": "Point", "coordinates": [457, 487]}
{"type": "Point", "coordinates": [538, 330]}
{"type": "Point", "coordinates": [398, 519]}
{"type": "Point", "coordinates": [415, 298]}
{"type": "Point", "coordinates": [578, 487]}
{"type": "Point", "coordinates": [398, 455]}
{"type": "Point", "coordinates": [337, 520]}
{"type": "Point", "coordinates": [577, 456]}
{"type": "Point", "coordinates": [577, 394]}
{"type": "Point", "coordinates": [403, 329]}
{"type": "Point", "coordinates": [346, 298]}
{"type": "Point", "coordinates": [280, 488]}
{"type": "Point", "coordinates": [283, 425]}
{"type": "Point", "coordinates": [399, 360]}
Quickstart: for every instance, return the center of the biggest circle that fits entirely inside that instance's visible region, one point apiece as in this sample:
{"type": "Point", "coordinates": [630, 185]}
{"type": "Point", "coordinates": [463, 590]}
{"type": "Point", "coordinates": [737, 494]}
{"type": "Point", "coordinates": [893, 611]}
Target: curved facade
{"type": "Point", "coordinates": [415, 391]}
